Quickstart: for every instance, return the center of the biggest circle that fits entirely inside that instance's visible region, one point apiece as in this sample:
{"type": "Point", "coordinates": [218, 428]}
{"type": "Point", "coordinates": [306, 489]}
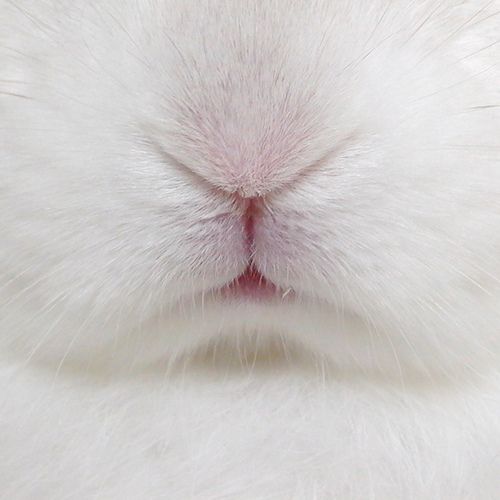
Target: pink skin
{"type": "Point", "coordinates": [251, 284]}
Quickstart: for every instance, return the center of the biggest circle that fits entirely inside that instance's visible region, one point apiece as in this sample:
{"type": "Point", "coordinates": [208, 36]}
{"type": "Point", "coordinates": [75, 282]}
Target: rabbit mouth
{"type": "Point", "coordinates": [251, 285]}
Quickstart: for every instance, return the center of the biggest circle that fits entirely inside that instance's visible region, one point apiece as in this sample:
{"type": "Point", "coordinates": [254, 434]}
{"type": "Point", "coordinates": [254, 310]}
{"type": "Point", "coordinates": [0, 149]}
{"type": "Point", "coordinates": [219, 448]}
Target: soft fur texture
{"type": "Point", "coordinates": [133, 134]}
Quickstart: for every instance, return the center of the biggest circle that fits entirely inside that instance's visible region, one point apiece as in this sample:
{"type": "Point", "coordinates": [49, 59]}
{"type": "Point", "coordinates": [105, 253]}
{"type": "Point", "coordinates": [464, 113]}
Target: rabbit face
{"type": "Point", "coordinates": [175, 174]}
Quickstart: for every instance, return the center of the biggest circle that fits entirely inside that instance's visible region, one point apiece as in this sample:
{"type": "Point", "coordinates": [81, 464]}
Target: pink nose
{"type": "Point", "coordinates": [251, 183]}
{"type": "Point", "coordinates": [251, 172]}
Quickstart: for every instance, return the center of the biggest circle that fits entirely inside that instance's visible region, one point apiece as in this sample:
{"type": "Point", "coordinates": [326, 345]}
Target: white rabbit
{"type": "Point", "coordinates": [250, 249]}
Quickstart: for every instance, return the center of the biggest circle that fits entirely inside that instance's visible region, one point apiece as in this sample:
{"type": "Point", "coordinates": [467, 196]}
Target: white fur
{"type": "Point", "coordinates": [371, 129]}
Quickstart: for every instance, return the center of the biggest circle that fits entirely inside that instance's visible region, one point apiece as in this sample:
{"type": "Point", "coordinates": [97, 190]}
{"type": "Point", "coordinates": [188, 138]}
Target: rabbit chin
{"type": "Point", "coordinates": [303, 330]}
{"type": "Point", "coordinates": [303, 327]}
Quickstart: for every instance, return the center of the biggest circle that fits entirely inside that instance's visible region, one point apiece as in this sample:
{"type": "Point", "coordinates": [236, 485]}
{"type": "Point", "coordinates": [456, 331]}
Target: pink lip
{"type": "Point", "coordinates": [250, 284]}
